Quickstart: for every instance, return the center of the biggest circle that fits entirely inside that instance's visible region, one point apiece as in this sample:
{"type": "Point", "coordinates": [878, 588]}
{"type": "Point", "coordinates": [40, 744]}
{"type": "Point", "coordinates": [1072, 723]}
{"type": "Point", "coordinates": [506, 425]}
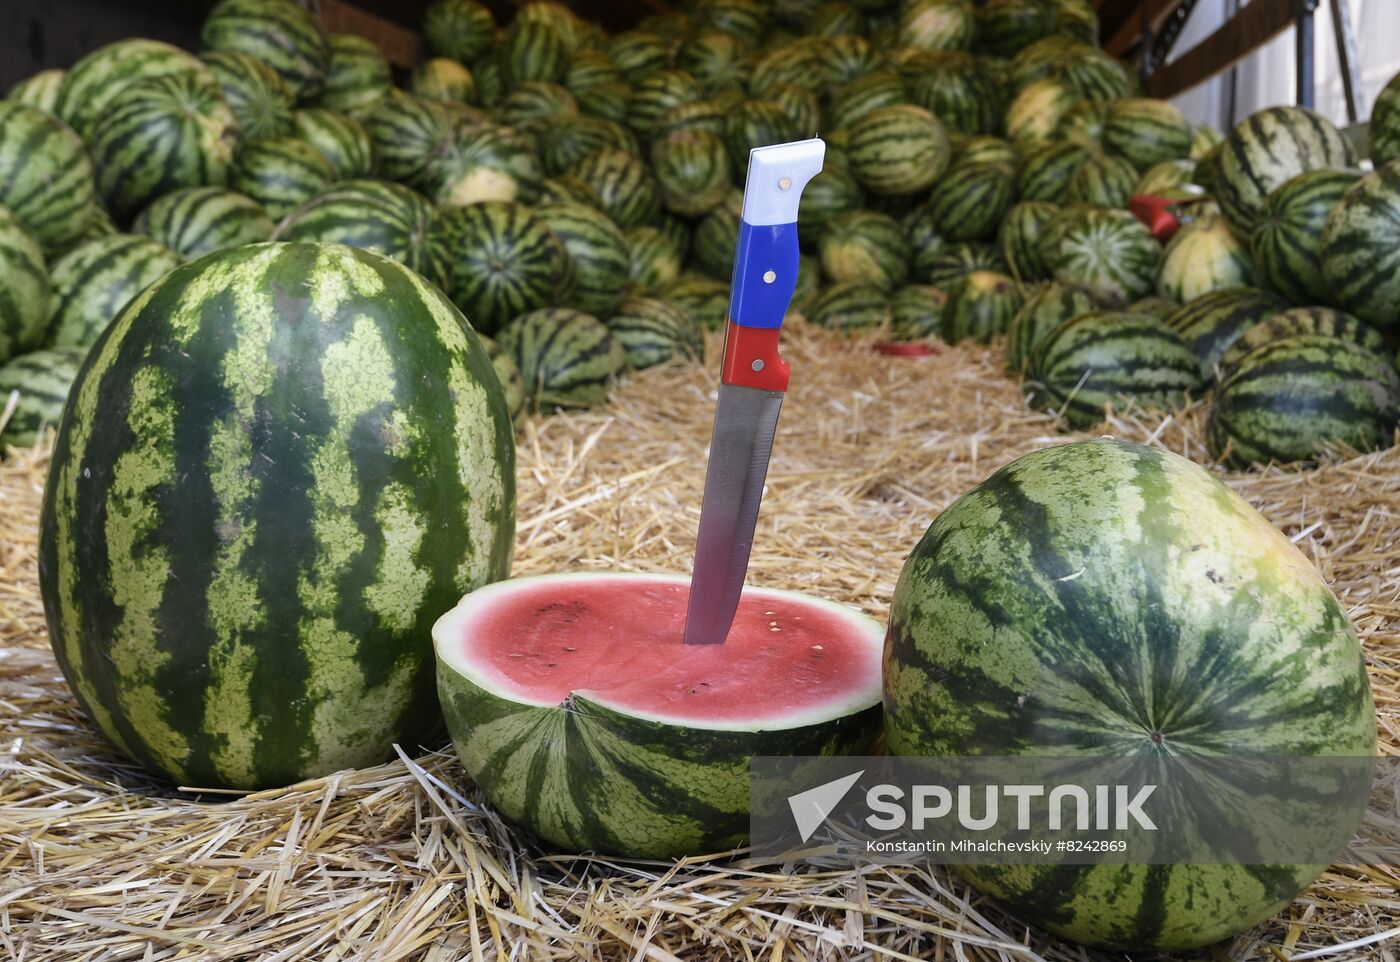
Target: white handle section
{"type": "Point", "coordinates": [777, 175]}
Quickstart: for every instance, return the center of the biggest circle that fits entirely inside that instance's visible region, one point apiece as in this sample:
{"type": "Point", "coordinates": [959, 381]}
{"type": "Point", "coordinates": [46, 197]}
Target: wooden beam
{"type": "Point", "coordinates": [403, 47]}
{"type": "Point", "coordinates": [1129, 33]}
{"type": "Point", "coordinates": [1256, 24]}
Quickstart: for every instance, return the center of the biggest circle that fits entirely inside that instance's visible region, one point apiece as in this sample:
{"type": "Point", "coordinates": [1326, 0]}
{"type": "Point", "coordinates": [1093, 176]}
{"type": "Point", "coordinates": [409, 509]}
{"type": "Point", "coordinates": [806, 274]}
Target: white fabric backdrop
{"type": "Point", "coordinates": [1267, 78]}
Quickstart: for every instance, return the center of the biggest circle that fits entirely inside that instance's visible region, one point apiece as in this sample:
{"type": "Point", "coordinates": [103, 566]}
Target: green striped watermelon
{"type": "Point", "coordinates": [24, 288]}
{"type": "Point", "coordinates": [938, 24]}
{"type": "Point", "coordinates": [803, 106]}
{"type": "Point", "coordinates": [1211, 323]}
{"type": "Point", "coordinates": [159, 135]}
{"type": "Point", "coordinates": [357, 76]}
{"type": "Point", "coordinates": [461, 29]}
{"type": "Point", "coordinates": [756, 123]}
{"type": "Point", "coordinates": [247, 607]}
{"type": "Point", "coordinates": [1201, 257]}
{"type": "Point", "coordinates": [980, 307]}
{"type": "Point", "coordinates": [602, 262]}
{"type": "Point", "coordinates": [704, 115]}
{"type": "Point", "coordinates": [1159, 307]}
{"type": "Point", "coordinates": [703, 298]}
{"type": "Point", "coordinates": [606, 101]}
{"type": "Point", "coordinates": [1294, 399]}
{"type": "Point", "coordinates": [588, 68]}
{"type": "Point", "coordinates": [625, 185]}
{"type": "Point", "coordinates": [916, 311]}
{"type": "Point", "coordinates": [535, 106]}
{"type": "Point", "coordinates": [99, 224]}
{"type": "Point", "coordinates": [1266, 149]}
{"type": "Point", "coordinates": [835, 19]}
{"type": "Point", "coordinates": [441, 78]}
{"type": "Point", "coordinates": [629, 743]}
{"type": "Point", "coordinates": [984, 150]}
{"type": "Point", "coordinates": [568, 189]}
{"type": "Point", "coordinates": [1287, 244]}
{"type": "Point", "coordinates": [94, 281]}
{"type": "Point", "coordinates": [1019, 236]}
{"type": "Point", "coordinates": [1038, 109]}
{"type": "Point", "coordinates": [716, 239]}
{"type": "Point", "coordinates": [195, 221]}
{"type": "Point", "coordinates": [1204, 139]}
{"type": "Point", "coordinates": [807, 285]}
{"type": "Point", "coordinates": [1006, 26]}
{"type": "Point", "coordinates": [1045, 173]}
{"type": "Point", "coordinates": [1084, 123]}
{"type": "Point", "coordinates": [407, 133]}
{"type": "Point", "coordinates": [744, 20]}
{"type": "Point", "coordinates": [833, 192]}
{"type": "Point", "coordinates": [655, 260]}
{"type": "Point", "coordinates": [280, 33]}
{"type": "Point", "coordinates": [567, 358]}
{"type": "Point", "coordinates": [657, 94]}
{"type": "Point", "coordinates": [900, 149]}
{"type": "Point", "coordinates": [505, 262]}
{"type": "Point", "coordinates": [1079, 21]}
{"type": "Point", "coordinates": [564, 143]}
{"type": "Point", "coordinates": [957, 89]}
{"type": "Point", "coordinates": [1109, 254]}
{"type": "Point", "coordinates": [1146, 132]}
{"type": "Point", "coordinates": [509, 375]}
{"type": "Point", "coordinates": [956, 261]}
{"type": "Point", "coordinates": [849, 56]}
{"type": "Point", "coordinates": [1039, 60]}
{"type": "Point", "coordinates": [490, 86]}
{"type": "Point", "coordinates": [1043, 311]}
{"type": "Point", "coordinates": [94, 81]}
{"type": "Point", "coordinates": [716, 60]}
{"type": "Point", "coordinates": [692, 169]}
{"type": "Point", "coordinates": [1299, 321]}
{"type": "Point", "coordinates": [1166, 177]}
{"type": "Point", "coordinates": [1385, 123]}
{"type": "Point", "coordinates": [39, 90]}
{"type": "Point", "coordinates": [1094, 73]}
{"type": "Point", "coordinates": [652, 331]}
{"type": "Point", "coordinates": [797, 63]}
{"type": "Point", "coordinates": [925, 242]}
{"type": "Point", "coordinates": [1361, 248]}
{"type": "Point", "coordinates": [1108, 358]}
{"type": "Point", "coordinates": [340, 138]}
{"type": "Point", "coordinates": [852, 307]}
{"type": "Point", "coordinates": [854, 100]}
{"type": "Point", "coordinates": [531, 51]}
{"type": "Point", "coordinates": [481, 163]}
{"type": "Point", "coordinates": [375, 215]}
{"type": "Point", "coordinates": [638, 54]}
{"type": "Point", "coordinates": [1105, 598]}
{"type": "Point", "coordinates": [281, 174]}
{"type": "Point", "coordinates": [260, 99]}
{"type": "Point", "coordinates": [46, 179]}
{"type": "Point", "coordinates": [864, 245]}
{"type": "Point", "coordinates": [1102, 180]}
{"type": "Point", "coordinates": [37, 385]}
{"type": "Point", "coordinates": [969, 202]}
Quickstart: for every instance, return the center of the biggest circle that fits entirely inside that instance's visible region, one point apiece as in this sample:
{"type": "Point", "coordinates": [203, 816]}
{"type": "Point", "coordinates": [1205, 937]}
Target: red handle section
{"type": "Point", "coordinates": [751, 358]}
{"type": "Point", "coordinates": [1157, 213]}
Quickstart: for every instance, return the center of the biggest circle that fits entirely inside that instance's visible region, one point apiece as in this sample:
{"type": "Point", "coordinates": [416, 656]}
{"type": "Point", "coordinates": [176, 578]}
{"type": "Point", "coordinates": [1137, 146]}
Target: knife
{"type": "Point", "coordinates": [752, 381]}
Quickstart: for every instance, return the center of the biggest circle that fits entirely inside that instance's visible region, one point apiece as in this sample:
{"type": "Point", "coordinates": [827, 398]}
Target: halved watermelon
{"type": "Point", "coordinates": [580, 714]}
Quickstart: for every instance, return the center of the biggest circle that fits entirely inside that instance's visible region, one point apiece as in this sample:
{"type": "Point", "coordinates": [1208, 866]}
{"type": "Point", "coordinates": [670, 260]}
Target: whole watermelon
{"type": "Point", "coordinates": [1361, 248]}
{"type": "Point", "coordinates": [279, 465]}
{"type": "Point", "coordinates": [1109, 599]}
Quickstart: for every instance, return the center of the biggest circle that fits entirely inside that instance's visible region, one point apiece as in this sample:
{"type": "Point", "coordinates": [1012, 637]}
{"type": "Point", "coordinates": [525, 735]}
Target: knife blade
{"type": "Point", "coordinates": [752, 383]}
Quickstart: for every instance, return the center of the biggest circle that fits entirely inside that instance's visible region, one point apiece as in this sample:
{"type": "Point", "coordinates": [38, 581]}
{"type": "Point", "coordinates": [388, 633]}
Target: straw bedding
{"type": "Point", "coordinates": [99, 862]}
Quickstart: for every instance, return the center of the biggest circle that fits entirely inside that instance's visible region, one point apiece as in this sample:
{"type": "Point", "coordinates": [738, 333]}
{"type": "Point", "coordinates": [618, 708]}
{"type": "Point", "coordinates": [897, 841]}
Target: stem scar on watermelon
{"type": "Point", "coordinates": [577, 709]}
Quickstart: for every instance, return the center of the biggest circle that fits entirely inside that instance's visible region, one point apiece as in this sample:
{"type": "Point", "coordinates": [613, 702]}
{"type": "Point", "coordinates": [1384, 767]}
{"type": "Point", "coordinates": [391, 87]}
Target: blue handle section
{"type": "Point", "coordinates": [753, 301]}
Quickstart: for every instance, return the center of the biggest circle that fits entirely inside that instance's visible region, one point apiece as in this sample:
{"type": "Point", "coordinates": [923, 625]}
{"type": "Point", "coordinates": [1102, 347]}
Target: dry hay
{"type": "Point", "coordinates": [397, 862]}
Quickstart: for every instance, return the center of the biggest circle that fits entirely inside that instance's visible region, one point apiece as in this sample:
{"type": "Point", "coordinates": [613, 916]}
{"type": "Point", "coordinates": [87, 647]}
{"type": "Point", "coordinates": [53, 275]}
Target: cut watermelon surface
{"type": "Point", "coordinates": [578, 711]}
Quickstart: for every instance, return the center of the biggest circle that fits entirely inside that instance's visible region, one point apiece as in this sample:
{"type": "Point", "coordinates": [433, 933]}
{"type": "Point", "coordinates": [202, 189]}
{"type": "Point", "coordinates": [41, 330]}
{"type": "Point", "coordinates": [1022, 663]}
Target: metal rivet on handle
{"type": "Point", "coordinates": [757, 364]}
{"type": "Point", "coordinates": [785, 183]}
{"type": "Point", "coordinates": [769, 277]}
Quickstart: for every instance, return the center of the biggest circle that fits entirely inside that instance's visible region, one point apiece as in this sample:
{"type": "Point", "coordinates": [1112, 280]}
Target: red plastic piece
{"type": "Point", "coordinates": [747, 348]}
{"type": "Point", "coordinates": [906, 349]}
{"type": "Point", "coordinates": [1157, 213]}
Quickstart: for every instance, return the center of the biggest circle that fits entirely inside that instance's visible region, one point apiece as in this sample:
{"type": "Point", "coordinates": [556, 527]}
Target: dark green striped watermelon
{"type": "Point", "coordinates": [1109, 254]}
{"type": "Point", "coordinates": [835, 19]}
{"type": "Point", "coordinates": [568, 189]}
{"type": "Point", "coordinates": [281, 174]}
{"type": "Point", "coordinates": [756, 123]}
{"type": "Point", "coordinates": [1201, 257]}
{"type": "Point", "coordinates": [625, 185]}
{"type": "Point", "coordinates": [1093, 73]}
{"type": "Point", "coordinates": [797, 63]}
{"type": "Point", "coordinates": [1158, 307]}
{"type": "Point", "coordinates": [703, 298]}
{"type": "Point", "coordinates": [1297, 398]}
{"type": "Point", "coordinates": [955, 261]}
{"type": "Point", "coordinates": [969, 202]}
{"type": "Point", "coordinates": [916, 312]}
{"type": "Point", "coordinates": [280, 33]}
{"type": "Point", "coordinates": [94, 81]}
{"type": "Point", "coordinates": [1042, 312]}
{"type": "Point", "coordinates": [460, 29]}
{"type": "Point", "coordinates": [505, 262]}
{"type": "Point", "coordinates": [852, 307]}
{"type": "Point", "coordinates": [159, 135]}
{"type": "Point", "coordinates": [486, 162]}
{"type": "Point", "coordinates": [1102, 180]}
{"type": "Point", "coordinates": [39, 90]}
{"type": "Point", "coordinates": [744, 20]}
{"type": "Point", "coordinates": [46, 179]}
{"type": "Point", "coordinates": [802, 105]}
{"type": "Point", "coordinates": [1019, 236]}
{"type": "Point", "coordinates": [716, 239]}
{"type": "Point", "coordinates": [1299, 321]}
{"type": "Point", "coordinates": [657, 94]}
{"type": "Point", "coordinates": [563, 144]}
{"type": "Point", "coordinates": [900, 149]}
{"type": "Point", "coordinates": [602, 262]}
{"type": "Point", "coordinates": [95, 280]}
{"type": "Point", "coordinates": [654, 258]}
{"type": "Point", "coordinates": [852, 101]}
{"type": "Point", "coordinates": [980, 307]}
{"type": "Point", "coordinates": [408, 133]}
{"type": "Point", "coordinates": [357, 76]}
{"type": "Point", "coordinates": [1046, 172]}
{"type": "Point", "coordinates": [957, 89]}
{"type": "Point", "coordinates": [1006, 26]}
{"type": "Point", "coordinates": [652, 331]}
{"type": "Point", "coordinates": [925, 242]}
{"type": "Point", "coordinates": [716, 59]}
{"type": "Point", "coordinates": [849, 56]}
{"type": "Point", "coordinates": [1084, 123]}
{"type": "Point", "coordinates": [1385, 123]}
{"type": "Point", "coordinates": [260, 99]}
{"type": "Point", "coordinates": [441, 78]}
{"type": "Point", "coordinates": [195, 221]}
{"type": "Point", "coordinates": [864, 245]}
{"type": "Point", "coordinates": [1146, 132]}
{"type": "Point", "coordinates": [375, 215]}
{"type": "Point", "coordinates": [1361, 249]}
{"type": "Point", "coordinates": [25, 295]}
{"type": "Point", "coordinates": [1110, 358]}
{"type": "Point", "coordinates": [831, 193]}
{"type": "Point", "coordinates": [1265, 150]}
{"type": "Point", "coordinates": [509, 375]}
{"type": "Point", "coordinates": [567, 359]}
{"type": "Point", "coordinates": [340, 138]}
{"type": "Point", "coordinates": [692, 168]}
{"type": "Point", "coordinates": [1211, 323]}
{"type": "Point", "coordinates": [638, 54]}
{"type": "Point", "coordinates": [628, 742]}
{"type": "Point", "coordinates": [1287, 244]}
{"type": "Point", "coordinates": [535, 106]}
{"type": "Point", "coordinates": [1103, 598]}
{"type": "Point", "coordinates": [37, 384]}
{"type": "Point", "coordinates": [938, 24]}
{"type": "Point", "coordinates": [249, 608]}
{"type": "Point", "coordinates": [490, 87]}
{"type": "Point", "coordinates": [1204, 140]}
{"type": "Point", "coordinates": [531, 51]}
